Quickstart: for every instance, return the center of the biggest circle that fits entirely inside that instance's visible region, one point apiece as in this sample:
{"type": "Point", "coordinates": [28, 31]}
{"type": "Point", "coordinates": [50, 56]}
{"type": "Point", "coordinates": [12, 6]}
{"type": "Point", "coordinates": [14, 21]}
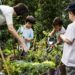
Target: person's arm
{"type": "Point", "coordinates": [15, 34]}
{"type": "Point", "coordinates": [52, 32]}
{"type": "Point", "coordinates": [69, 35]}
{"type": "Point", "coordinates": [65, 39]}
{"type": "Point", "coordinates": [9, 22]}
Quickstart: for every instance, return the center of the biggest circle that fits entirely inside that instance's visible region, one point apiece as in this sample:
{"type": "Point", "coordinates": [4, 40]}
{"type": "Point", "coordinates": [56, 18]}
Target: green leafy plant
{"type": "Point", "coordinates": [30, 68]}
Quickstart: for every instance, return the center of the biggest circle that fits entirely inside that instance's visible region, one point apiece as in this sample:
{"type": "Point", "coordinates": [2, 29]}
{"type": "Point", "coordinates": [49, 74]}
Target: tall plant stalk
{"type": "Point", "coordinates": [6, 67]}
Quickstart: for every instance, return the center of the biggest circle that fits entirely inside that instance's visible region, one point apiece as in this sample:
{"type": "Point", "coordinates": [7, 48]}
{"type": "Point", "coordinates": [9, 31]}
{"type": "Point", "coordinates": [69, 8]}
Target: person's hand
{"type": "Point", "coordinates": [27, 40]}
{"type": "Point", "coordinates": [23, 47]}
{"type": "Point", "coordinates": [62, 36]}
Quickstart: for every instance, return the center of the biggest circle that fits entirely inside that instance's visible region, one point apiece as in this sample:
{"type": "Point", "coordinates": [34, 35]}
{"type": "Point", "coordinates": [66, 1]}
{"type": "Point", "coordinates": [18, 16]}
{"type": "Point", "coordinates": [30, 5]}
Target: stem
{"type": "Point", "coordinates": [4, 61]}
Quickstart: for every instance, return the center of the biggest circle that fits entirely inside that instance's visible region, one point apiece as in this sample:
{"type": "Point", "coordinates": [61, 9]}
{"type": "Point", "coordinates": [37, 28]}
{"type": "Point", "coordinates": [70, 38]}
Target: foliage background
{"type": "Point", "coordinates": [44, 11]}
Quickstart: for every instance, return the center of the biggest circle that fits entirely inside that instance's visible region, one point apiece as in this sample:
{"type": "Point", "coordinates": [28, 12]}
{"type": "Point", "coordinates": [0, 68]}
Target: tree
{"type": "Point", "coordinates": [51, 9]}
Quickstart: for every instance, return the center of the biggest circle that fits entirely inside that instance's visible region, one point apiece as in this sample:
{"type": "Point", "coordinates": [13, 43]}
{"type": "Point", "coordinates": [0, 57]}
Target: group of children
{"type": "Point", "coordinates": [67, 36]}
{"type": "Point", "coordinates": [27, 34]}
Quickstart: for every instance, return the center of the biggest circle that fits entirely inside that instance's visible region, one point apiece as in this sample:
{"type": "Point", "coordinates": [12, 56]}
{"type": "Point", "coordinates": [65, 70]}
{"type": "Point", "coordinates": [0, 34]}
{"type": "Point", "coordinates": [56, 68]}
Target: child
{"type": "Point", "coordinates": [27, 31]}
{"type": "Point", "coordinates": [68, 57]}
{"type": "Point", "coordinates": [57, 29]}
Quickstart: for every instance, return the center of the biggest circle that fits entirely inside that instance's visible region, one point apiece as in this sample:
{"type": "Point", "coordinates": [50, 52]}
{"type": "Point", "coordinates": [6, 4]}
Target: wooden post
{"type": "Point", "coordinates": [6, 67]}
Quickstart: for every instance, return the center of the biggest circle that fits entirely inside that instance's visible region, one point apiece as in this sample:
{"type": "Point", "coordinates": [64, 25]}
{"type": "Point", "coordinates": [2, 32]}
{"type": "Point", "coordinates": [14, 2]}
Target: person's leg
{"type": "Point", "coordinates": [62, 69]}
{"type": "Point", "coordinates": [70, 70]}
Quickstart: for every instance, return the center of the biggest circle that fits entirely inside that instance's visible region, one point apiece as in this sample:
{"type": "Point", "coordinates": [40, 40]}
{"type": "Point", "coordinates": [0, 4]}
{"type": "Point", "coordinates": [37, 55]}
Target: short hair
{"type": "Point", "coordinates": [30, 19]}
{"type": "Point", "coordinates": [57, 21]}
{"type": "Point", "coordinates": [73, 11]}
{"type": "Point", "coordinates": [21, 9]}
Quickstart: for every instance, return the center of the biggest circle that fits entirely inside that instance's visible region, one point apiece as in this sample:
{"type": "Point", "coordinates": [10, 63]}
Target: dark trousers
{"type": "Point", "coordinates": [70, 70]}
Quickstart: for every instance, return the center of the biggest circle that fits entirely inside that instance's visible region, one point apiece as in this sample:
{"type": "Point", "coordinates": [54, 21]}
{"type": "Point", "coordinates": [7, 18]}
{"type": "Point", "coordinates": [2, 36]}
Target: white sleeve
{"type": "Point", "coordinates": [9, 19]}
{"type": "Point", "coordinates": [70, 33]}
{"type": "Point", "coordinates": [20, 30]}
{"type": "Point", "coordinates": [62, 30]}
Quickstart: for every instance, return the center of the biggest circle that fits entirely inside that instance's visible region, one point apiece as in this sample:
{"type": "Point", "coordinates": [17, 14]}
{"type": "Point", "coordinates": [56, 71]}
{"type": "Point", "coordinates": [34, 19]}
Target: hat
{"type": "Point", "coordinates": [71, 7]}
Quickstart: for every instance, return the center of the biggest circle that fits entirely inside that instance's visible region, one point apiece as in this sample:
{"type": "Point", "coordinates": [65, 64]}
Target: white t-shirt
{"type": "Point", "coordinates": [7, 15]}
{"type": "Point", "coordinates": [26, 33]}
{"type": "Point", "coordinates": [68, 57]}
